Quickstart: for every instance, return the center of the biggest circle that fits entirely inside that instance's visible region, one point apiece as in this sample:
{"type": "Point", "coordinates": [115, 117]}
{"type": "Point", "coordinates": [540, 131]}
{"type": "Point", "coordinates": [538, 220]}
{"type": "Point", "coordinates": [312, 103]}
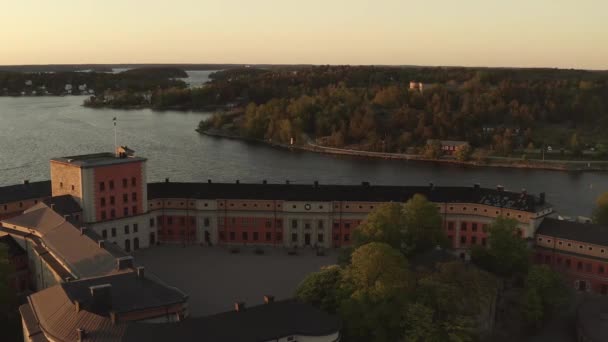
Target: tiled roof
{"type": "Point", "coordinates": [21, 192]}
{"type": "Point", "coordinates": [365, 193]}
{"type": "Point", "coordinates": [264, 322]}
{"type": "Point", "coordinates": [584, 232]}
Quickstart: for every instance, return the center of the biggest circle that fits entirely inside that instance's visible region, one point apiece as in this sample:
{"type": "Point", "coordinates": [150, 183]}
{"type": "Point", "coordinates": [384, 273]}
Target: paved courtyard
{"type": "Point", "coordinates": [214, 278]}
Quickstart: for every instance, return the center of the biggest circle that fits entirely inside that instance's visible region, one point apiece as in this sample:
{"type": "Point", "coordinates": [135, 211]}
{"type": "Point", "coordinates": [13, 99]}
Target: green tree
{"type": "Point", "coordinates": [600, 213]}
{"type": "Point", "coordinates": [432, 150]}
{"type": "Point", "coordinates": [463, 152]}
{"type": "Point", "coordinates": [9, 318]}
{"type": "Point", "coordinates": [575, 145]}
{"type": "Point", "coordinates": [376, 285]}
{"type": "Point", "coordinates": [507, 254]}
{"type": "Point", "coordinates": [321, 288]}
{"type": "Point", "coordinates": [411, 228]}
{"type": "Point", "coordinates": [545, 294]}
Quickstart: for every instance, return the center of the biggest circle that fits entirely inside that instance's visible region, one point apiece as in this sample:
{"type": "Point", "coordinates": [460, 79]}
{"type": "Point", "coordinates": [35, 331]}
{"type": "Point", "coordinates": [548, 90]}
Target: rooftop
{"type": "Point", "coordinates": [97, 159]}
{"type": "Point", "coordinates": [365, 193]}
{"type": "Point", "coordinates": [576, 231]}
{"type": "Point", "coordinates": [264, 322]}
{"type": "Point", "coordinates": [25, 191]}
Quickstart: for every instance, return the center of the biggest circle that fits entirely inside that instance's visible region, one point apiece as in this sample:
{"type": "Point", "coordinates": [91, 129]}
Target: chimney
{"type": "Point", "coordinates": [83, 230]}
{"type": "Point", "coordinates": [500, 188]}
{"type": "Point", "coordinates": [239, 306]}
{"type": "Point", "coordinates": [238, 181]}
{"type": "Point", "coordinates": [102, 243]}
{"type": "Point", "coordinates": [26, 181]}
{"type": "Point", "coordinates": [78, 305]}
{"type": "Point", "coordinates": [101, 296]}
{"type": "Point", "coordinates": [364, 183]}
{"type": "Point", "coordinates": [431, 185]}
{"type": "Point", "coordinates": [113, 317]}
{"type": "Point", "coordinates": [166, 180]}
{"type": "Point", "coordinates": [316, 184]}
{"type": "Point", "coordinates": [53, 206]}
{"type": "Point", "coordinates": [268, 299]}
{"type": "Point", "coordinates": [476, 186]}
{"type": "Point", "coordinates": [209, 181]}
{"type": "Point", "coordinates": [264, 181]}
{"type": "Point", "coordinates": [287, 181]}
{"type": "Point", "coordinates": [124, 263]}
{"type": "Point", "coordinates": [524, 192]}
{"type": "Point", "coordinates": [80, 333]}
{"type": "Point", "coordinates": [140, 272]}
{"type": "Point", "coordinates": [541, 198]}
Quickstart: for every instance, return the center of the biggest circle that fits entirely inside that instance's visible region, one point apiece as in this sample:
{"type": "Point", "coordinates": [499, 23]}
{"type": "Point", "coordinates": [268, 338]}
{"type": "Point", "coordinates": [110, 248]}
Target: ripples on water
{"type": "Point", "coordinates": [35, 129]}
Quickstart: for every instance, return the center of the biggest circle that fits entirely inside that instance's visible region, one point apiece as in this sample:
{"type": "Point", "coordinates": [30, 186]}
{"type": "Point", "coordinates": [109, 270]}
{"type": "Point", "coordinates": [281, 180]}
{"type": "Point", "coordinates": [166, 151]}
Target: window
{"type": "Point", "coordinates": [102, 201]}
{"type": "Point", "coordinates": [125, 198]}
{"type": "Point", "coordinates": [104, 233]}
{"type": "Point", "coordinates": [72, 188]}
{"type": "Point", "coordinates": [483, 241]}
{"type": "Point", "coordinates": [103, 214]}
{"type": "Point", "coordinates": [346, 237]}
{"type": "Point", "coordinates": [588, 267]}
{"type": "Point", "coordinates": [112, 213]}
{"type": "Point", "coordinates": [294, 237]}
{"type": "Point", "coordinates": [590, 248]}
{"type": "Point", "coordinates": [102, 186]}
{"type": "Point", "coordinates": [547, 259]}
{"type": "Point", "coordinates": [206, 222]}
{"type": "Point", "coordinates": [336, 237]}
{"type": "Point", "coordinates": [111, 184]}
{"type": "Point", "coordinates": [127, 229]}
{"type": "Point", "coordinates": [151, 222]}
{"type": "Point", "coordinates": [474, 227]}
{"type": "Point", "coordinates": [579, 266]}
{"type": "Point", "coordinates": [134, 209]}
{"type": "Point", "coordinates": [182, 221]}
{"type": "Point", "coordinates": [170, 220]}
{"type": "Point", "coordinates": [125, 211]}
{"type": "Point", "coordinates": [112, 200]}
{"type": "Point", "coordinates": [134, 197]}
{"type": "Point", "coordinates": [558, 260]}
{"type": "Point", "coordinates": [268, 236]}
{"type": "Point", "coordinates": [336, 225]}
{"type": "Point", "coordinates": [320, 224]}
{"type": "Point", "coordinates": [463, 226]}
{"type": "Point", "coordinates": [255, 236]}
{"type": "Point", "coordinates": [600, 269]}
{"type": "Point", "coordinates": [474, 239]}
{"type": "Point", "coordinates": [279, 237]}
{"type": "Point", "coordinates": [347, 225]}
{"type": "Point", "coordinates": [124, 183]}
{"type": "Point", "coordinates": [135, 227]}
{"type": "Point", "coordinates": [463, 239]}
{"type": "Point", "coordinates": [320, 237]}
{"type": "Point", "coordinates": [20, 204]}
{"type": "Point", "coordinates": [294, 223]}
{"type": "Point", "coordinates": [133, 181]}
{"type": "Point", "coordinates": [232, 236]}
{"type": "Point", "coordinates": [450, 225]}
{"type": "Point", "coordinates": [307, 225]}
{"type": "Point", "coordinates": [245, 236]}
{"type": "Point", "coordinates": [113, 232]}
{"type": "Point", "coordinates": [568, 263]}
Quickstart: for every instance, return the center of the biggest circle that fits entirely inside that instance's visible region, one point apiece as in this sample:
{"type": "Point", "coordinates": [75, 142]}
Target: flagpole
{"type": "Point", "coordinates": [115, 141]}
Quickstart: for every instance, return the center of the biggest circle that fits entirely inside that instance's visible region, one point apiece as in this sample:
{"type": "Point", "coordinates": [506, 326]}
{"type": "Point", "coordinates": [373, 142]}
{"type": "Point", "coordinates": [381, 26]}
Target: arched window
{"type": "Point", "coordinates": [136, 243]}
{"type": "Point", "coordinates": [127, 245]}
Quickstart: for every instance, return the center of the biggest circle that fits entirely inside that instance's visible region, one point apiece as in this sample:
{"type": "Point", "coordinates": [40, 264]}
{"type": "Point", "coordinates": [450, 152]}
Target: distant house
{"type": "Point", "coordinates": [418, 86]}
{"type": "Point", "coordinates": [28, 83]}
{"type": "Point", "coordinates": [448, 146]}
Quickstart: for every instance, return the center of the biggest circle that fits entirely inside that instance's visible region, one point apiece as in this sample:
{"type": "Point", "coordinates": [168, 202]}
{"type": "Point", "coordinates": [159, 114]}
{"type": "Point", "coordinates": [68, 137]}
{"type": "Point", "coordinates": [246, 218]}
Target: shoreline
{"type": "Point", "coordinates": [496, 162]}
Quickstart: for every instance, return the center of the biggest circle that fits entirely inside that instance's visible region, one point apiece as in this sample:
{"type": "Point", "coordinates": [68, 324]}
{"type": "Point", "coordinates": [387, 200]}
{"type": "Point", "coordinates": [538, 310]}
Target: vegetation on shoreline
{"type": "Point", "coordinates": [503, 112]}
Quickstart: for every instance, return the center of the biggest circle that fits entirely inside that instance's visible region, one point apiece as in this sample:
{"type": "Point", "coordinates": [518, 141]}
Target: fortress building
{"type": "Point", "coordinates": [74, 236]}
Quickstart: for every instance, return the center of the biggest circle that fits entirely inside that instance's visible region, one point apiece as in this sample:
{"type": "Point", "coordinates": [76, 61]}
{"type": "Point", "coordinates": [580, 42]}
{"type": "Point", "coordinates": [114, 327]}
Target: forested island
{"type": "Point", "coordinates": [519, 113]}
{"type": "Point", "coordinates": [57, 83]}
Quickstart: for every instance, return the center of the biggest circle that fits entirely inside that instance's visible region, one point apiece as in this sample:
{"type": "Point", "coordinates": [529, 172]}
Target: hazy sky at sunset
{"type": "Point", "coordinates": [550, 33]}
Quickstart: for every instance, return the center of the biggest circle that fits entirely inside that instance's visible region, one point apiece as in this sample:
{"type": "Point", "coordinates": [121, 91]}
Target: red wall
{"type": "Point", "coordinates": [591, 269]}
{"type": "Point", "coordinates": [176, 228]}
{"type": "Point", "coordinates": [117, 173]}
{"type": "Point", "coordinates": [232, 229]}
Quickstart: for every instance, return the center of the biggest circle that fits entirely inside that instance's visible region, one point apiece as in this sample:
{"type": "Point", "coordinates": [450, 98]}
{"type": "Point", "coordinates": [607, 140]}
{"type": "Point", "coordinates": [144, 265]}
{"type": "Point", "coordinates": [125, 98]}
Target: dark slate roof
{"type": "Point", "coordinates": [21, 192]}
{"type": "Point", "coordinates": [63, 205]}
{"type": "Point", "coordinates": [14, 249]}
{"type": "Point", "coordinates": [366, 193]}
{"type": "Point", "coordinates": [96, 159]}
{"type": "Point", "coordinates": [259, 323]}
{"type": "Point", "coordinates": [584, 232]}
{"type": "Point", "coordinates": [129, 293]}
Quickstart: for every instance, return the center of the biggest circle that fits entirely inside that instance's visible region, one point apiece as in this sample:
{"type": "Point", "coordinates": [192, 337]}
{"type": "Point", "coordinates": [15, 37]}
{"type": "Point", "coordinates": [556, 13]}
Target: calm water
{"type": "Point", "coordinates": [33, 130]}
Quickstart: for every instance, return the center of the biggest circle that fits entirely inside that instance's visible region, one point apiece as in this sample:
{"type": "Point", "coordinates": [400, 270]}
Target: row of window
{"type": "Point", "coordinates": [125, 199]}
{"type": "Point", "coordinates": [125, 184]}
{"type": "Point", "coordinates": [473, 240]}
{"type": "Point", "coordinates": [127, 230]}
{"type": "Point", "coordinates": [463, 227]}
{"type": "Point", "coordinates": [113, 212]}
{"type": "Point", "coordinates": [20, 205]}
{"type": "Point", "coordinates": [169, 220]}
{"type": "Point", "coordinates": [268, 237]}
{"type": "Point", "coordinates": [567, 263]}
{"type": "Point", "coordinates": [485, 211]}
{"type": "Point", "coordinates": [569, 244]}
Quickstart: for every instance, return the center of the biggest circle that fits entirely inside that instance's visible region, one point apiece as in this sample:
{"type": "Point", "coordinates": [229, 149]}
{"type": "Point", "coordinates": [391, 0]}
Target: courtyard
{"type": "Point", "coordinates": [214, 278]}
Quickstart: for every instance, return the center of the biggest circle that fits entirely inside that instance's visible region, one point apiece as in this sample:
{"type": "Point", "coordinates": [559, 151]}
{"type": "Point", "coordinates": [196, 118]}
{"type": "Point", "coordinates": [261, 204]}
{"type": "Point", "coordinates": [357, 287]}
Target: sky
{"type": "Point", "coordinates": [507, 33]}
